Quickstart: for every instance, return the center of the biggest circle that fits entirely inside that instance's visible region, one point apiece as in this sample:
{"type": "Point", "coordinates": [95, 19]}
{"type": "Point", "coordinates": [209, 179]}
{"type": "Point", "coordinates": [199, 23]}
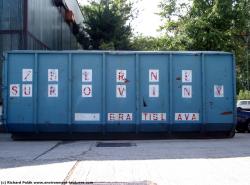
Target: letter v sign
{"type": "Point", "coordinates": [121, 91]}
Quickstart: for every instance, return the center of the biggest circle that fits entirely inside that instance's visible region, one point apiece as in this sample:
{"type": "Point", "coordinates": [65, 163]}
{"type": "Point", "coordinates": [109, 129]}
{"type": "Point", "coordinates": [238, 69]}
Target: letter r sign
{"type": "Point", "coordinates": [121, 75]}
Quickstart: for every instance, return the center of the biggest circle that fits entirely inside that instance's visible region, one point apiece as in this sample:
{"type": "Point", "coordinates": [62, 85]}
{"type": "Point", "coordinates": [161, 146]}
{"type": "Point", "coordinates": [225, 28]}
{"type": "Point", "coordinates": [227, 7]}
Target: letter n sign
{"type": "Point", "coordinates": [153, 75]}
{"type": "Point", "coordinates": [186, 91]}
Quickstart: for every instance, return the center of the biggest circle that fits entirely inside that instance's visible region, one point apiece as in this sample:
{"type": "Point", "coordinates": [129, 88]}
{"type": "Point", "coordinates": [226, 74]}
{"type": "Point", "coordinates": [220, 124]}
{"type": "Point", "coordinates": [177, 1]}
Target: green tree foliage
{"type": "Point", "coordinates": [210, 25]}
{"type": "Point", "coordinates": [244, 95]}
{"type": "Point", "coordinates": [146, 43]}
{"type": "Point", "coordinates": [107, 24]}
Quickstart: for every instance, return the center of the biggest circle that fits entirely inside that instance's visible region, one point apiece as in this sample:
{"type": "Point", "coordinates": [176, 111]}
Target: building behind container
{"type": "Point", "coordinates": [39, 25]}
{"type": "Point", "coordinates": [36, 24]}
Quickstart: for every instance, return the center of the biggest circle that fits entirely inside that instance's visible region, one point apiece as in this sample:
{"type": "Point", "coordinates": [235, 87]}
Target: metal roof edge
{"type": "Point", "coordinates": [118, 52]}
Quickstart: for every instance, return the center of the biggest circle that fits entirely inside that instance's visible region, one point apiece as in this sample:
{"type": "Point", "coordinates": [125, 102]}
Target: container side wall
{"type": "Point", "coordinates": [121, 95]}
{"type": "Point", "coordinates": [53, 88]}
{"type": "Point", "coordinates": [87, 92]}
{"type": "Point", "coordinates": [219, 90]}
{"type": "Point", "coordinates": [20, 92]}
{"type": "Point", "coordinates": [119, 92]}
{"type": "Point", "coordinates": [154, 92]}
{"type": "Point", "coordinates": [187, 92]}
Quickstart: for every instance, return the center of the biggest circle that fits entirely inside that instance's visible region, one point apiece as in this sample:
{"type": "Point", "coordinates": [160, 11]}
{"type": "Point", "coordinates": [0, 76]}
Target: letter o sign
{"type": "Point", "coordinates": [86, 91]}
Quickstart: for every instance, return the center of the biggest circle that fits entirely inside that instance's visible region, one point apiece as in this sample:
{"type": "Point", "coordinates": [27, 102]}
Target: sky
{"type": "Point", "coordinates": [147, 21]}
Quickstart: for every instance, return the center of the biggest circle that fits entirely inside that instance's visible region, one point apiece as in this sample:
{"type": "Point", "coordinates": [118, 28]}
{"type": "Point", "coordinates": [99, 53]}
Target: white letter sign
{"type": "Point", "coordinates": [14, 90]}
{"type": "Point", "coordinates": [121, 75]}
{"type": "Point", "coordinates": [53, 75]}
{"type": "Point", "coordinates": [154, 91]}
{"type": "Point", "coordinates": [121, 91]}
{"type": "Point", "coordinates": [186, 116]}
{"type": "Point", "coordinates": [87, 75]}
{"type": "Point", "coordinates": [52, 90]}
{"type": "Point", "coordinates": [154, 75]}
{"type": "Point", "coordinates": [218, 91]}
{"type": "Point", "coordinates": [120, 116]}
{"type": "Point", "coordinates": [87, 91]}
{"type": "Point", "coordinates": [87, 117]}
{"type": "Point", "coordinates": [27, 90]}
{"type": "Point", "coordinates": [186, 91]}
{"type": "Point", "coordinates": [153, 116]}
{"type": "Point", "coordinates": [27, 75]}
{"type": "Point", "coordinates": [186, 76]}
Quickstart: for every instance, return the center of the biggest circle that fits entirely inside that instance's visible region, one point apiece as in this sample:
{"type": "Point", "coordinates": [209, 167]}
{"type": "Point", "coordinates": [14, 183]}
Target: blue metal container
{"type": "Point", "coordinates": [111, 92]}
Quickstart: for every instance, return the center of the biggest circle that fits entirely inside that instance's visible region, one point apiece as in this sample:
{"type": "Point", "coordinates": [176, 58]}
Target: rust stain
{"type": "Point", "coordinates": [178, 78]}
{"type": "Point", "coordinates": [227, 113]}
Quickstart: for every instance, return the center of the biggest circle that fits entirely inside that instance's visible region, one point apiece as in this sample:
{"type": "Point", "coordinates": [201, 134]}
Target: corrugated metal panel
{"type": "Point", "coordinates": [46, 23]}
{"type": "Point", "coordinates": [46, 26]}
{"type": "Point", "coordinates": [119, 92]}
{"type": "Point", "coordinates": [11, 16]}
{"type": "Point", "coordinates": [10, 42]}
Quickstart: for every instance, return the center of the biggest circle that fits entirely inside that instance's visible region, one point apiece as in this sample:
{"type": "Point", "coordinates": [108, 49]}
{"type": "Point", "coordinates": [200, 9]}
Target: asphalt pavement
{"type": "Point", "coordinates": [154, 162]}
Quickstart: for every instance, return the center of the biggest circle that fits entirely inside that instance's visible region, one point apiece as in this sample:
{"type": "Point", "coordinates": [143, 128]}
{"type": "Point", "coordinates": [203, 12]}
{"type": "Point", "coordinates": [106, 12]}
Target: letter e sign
{"type": "Point", "coordinates": [186, 76]}
{"type": "Point", "coordinates": [53, 75]}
